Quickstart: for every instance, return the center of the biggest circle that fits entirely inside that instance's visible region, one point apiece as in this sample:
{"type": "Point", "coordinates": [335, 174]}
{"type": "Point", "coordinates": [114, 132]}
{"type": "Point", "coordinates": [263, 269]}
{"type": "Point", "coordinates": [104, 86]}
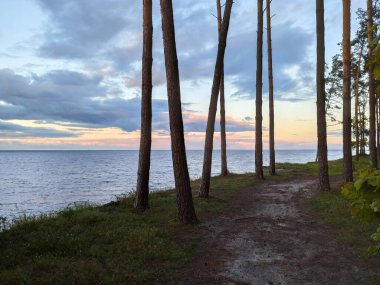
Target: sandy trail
{"type": "Point", "coordinates": [268, 235]}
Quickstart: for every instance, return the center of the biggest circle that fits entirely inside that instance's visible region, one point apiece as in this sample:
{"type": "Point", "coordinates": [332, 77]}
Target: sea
{"type": "Point", "coordinates": [40, 182]}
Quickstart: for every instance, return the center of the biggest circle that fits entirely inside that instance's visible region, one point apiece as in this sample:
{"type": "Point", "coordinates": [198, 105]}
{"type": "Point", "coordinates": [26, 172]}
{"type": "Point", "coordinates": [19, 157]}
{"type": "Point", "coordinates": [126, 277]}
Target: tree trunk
{"type": "Point", "coordinates": [362, 132]}
{"type": "Point", "coordinates": [186, 211]}
{"type": "Point", "coordinates": [347, 151]}
{"type": "Point", "coordinates": [272, 159]}
{"type": "Point", "coordinates": [357, 135]}
{"type": "Point", "coordinates": [372, 95]}
{"type": "Point", "coordinates": [142, 187]}
{"type": "Point", "coordinates": [223, 140]}
{"type": "Point", "coordinates": [259, 93]}
{"type": "Point", "coordinates": [377, 128]}
{"type": "Point", "coordinates": [324, 182]}
{"type": "Point", "coordinates": [207, 159]}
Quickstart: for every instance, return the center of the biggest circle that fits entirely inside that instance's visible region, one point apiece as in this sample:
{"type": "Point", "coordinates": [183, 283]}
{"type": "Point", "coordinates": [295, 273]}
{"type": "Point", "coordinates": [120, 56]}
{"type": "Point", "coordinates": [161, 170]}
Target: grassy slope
{"type": "Point", "coordinates": [112, 244]}
{"type": "Point", "coordinates": [353, 233]}
{"type": "Point", "coordinates": [334, 209]}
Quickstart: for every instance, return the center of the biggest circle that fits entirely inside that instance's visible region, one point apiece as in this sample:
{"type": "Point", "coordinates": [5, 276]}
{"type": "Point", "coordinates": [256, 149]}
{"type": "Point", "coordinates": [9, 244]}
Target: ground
{"type": "Point", "coordinates": [270, 235]}
{"type": "Point", "coordinates": [278, 231]}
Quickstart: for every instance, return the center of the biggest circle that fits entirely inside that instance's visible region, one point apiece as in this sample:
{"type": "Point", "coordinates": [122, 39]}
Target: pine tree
{"type": "Point", "coordinates": [207, 159]}
{"type": "Point", "coordinates": [142, 187]}
{"type": "Point", "coordinates": [259, 94]}
{"type": "Point", "coordinates": [185, 205]}
{"type": "Point", "coordinates": [324, 182]}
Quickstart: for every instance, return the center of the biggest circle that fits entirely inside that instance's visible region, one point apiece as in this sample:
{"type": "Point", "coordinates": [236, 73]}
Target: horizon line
{"type": "Point", "coordinates": [124, 149]}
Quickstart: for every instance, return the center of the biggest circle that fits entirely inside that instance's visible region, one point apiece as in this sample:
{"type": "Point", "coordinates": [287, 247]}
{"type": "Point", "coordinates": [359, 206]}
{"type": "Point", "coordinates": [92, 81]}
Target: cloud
{"type": "Point", "coordinates": [10, 130]}
{"type": "Point", "coordinates": [335, 133]}
{"type": "Point", "coordinates": [69, 96]}
{"type": "Point", "coordinates": [109, 33]}
{"type": "Point", "coordinates": [82, 29]}
{"type": "Point", "coordinates": [292, 68]}
{"type": "Point", "coordinates": [79, 98]}
{"type": "Point", "coordinates": [197, 123]}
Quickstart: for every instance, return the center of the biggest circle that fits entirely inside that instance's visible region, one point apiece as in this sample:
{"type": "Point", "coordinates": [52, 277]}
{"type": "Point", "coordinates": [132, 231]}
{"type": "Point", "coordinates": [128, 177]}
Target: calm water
{"type": "Point", "coordinates": [34, 182]}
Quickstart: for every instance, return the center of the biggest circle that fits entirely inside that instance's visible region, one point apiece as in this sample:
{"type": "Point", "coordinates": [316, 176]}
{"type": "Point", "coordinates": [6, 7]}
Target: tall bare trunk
{"type": "Point", "coordinates": [362, 130]}
{"type": "Point", "coordinates": [372, 95]}
{"type": "Point", "coordinates": [377, 129]}
{"type": "Point", "coordinates": [207, 159]}
{"type": "Point", "coordinates": [186, 212]}
{"type": "Point", "coordinates": [357, 138]}
{"type": "Point", "coordinates": [347, 151]}
{"type": "Point", "coordinates": [324, 182]}
{"type": "Point", "coordinates": [272, 158]}
{"type": "Point", "coordinates": [142, 187]}
{"type": "Point", "coordinates": [259, 93]}
{"type": "Point", "coordinates": [223, 140]}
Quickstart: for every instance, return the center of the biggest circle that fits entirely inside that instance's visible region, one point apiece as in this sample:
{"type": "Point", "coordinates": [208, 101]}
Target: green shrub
{"type": "Point", "coordinates": [364, 196]}
{"type": "Point", "coordinates": [3, 223]}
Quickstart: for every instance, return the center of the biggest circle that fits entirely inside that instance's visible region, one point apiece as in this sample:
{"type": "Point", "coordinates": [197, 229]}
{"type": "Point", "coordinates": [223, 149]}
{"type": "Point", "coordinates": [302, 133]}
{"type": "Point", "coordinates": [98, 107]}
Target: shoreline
{"type": "Point", "coordinates": [49, 188]}
{"type": "Point", "coordinates": [116, 244]}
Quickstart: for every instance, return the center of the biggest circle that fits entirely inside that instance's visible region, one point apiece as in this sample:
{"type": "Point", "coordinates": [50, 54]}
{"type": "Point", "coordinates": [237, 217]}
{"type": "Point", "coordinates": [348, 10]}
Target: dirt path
{"type": "Point", "coordinates": [269, 236]}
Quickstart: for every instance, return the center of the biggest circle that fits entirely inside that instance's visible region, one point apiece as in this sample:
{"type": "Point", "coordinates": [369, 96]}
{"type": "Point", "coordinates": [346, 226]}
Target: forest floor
{"type": "Point", "coordinates": [270, 234]}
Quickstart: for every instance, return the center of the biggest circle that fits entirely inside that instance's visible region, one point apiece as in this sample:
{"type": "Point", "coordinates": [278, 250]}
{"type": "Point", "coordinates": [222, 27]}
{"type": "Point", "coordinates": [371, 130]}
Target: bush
{"type": "Point", "coordinates": [364, 195]}
{"type": "Point", "coordinates": [3, 223]}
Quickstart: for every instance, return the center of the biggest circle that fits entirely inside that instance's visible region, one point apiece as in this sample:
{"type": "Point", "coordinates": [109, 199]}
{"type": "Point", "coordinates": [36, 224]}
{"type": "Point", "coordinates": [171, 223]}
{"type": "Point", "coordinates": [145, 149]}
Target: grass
{"type": "Point", "coordinates": [109, 244]}
{"type": "Point", "coordinates": [311, 168]}
{"type": "Point", "coordinates": [350, 231]}
{"type": "Point", "coordinates": [334, 209]}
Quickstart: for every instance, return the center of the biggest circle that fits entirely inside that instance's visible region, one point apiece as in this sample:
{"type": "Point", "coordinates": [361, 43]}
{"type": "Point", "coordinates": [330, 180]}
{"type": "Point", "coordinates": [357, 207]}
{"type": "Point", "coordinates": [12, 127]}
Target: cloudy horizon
{"type": "Point", "coordinates": [70, 73]}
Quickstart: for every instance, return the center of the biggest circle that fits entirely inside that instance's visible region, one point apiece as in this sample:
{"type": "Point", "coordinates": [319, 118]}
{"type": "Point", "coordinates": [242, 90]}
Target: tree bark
{"type": "Point", "coordinates": [362, 131]}
{"type": "Point", "coordinates": [142, 187]}
{"type": "Point", "coordinates": [357, 134]}
{"type": "Point", "coordinates": [259, 94]}
{"type": "Point", "coordinates": [223, 140]}
{"type": "Point", "coordinates": [372, 94]}
{"type": "Point", "coordinates": [186, 211]}
{"type": "Point", "coordinates": [272, 154]}
{"type": "Point", "coordinates": [207, 159]}
{"type": "Point", "coordinates": [378, 127]}
{"type": "Point", "coordinates": [324, 182]}
{"type": "Point", "coordinates": [347, 150]}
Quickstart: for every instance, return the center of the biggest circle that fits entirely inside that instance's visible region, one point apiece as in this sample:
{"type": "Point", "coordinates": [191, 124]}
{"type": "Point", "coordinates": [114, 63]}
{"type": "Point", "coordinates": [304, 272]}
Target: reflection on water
{"type": "Point", "coordinates": [34, 182]}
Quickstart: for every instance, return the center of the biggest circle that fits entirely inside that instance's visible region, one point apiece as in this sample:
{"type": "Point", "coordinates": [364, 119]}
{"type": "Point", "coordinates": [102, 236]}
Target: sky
{"type": "Point", "coordinates": [70, 73]}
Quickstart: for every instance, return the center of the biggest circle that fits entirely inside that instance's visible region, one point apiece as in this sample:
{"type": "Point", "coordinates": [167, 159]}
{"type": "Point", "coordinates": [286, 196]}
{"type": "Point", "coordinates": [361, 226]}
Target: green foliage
{"type": "Point", "coordinates": [3, 223]}
{"type": "Point", "coordinates": [364, 197]}
{"type": "Point", "coordinates": [375, 58]}
{"type": "Point", "coordinates": [376, 237]}
{"type": "Point", "coordinates": [334, 87]}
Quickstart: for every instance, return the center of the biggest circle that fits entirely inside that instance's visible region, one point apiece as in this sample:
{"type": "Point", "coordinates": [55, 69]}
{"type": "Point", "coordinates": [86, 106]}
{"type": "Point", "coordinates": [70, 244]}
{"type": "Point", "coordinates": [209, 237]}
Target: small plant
{"type": "Point", "coordinates": [364, 195]}
{"type": "Point", "coordinates": [3, 223]}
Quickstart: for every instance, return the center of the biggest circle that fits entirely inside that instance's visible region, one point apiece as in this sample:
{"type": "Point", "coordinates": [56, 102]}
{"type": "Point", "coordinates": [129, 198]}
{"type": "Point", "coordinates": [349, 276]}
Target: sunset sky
{"type": "Point", "coordinates": [70, 73]}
